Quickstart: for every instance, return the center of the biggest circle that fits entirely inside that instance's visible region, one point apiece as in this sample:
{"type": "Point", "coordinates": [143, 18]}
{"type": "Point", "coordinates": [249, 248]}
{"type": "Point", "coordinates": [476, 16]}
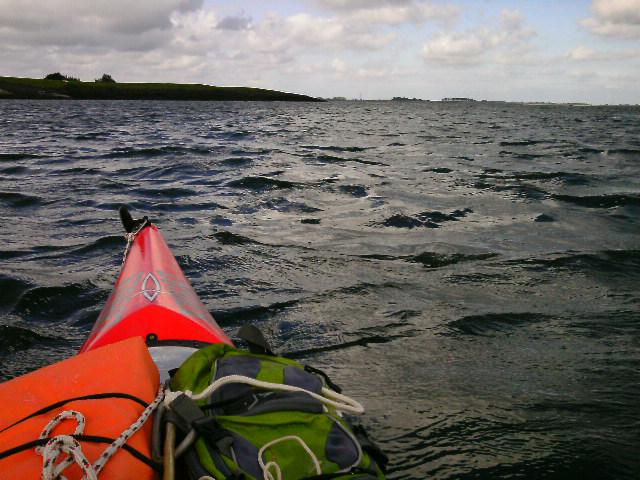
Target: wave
{"type": "Point", "coordinates": [282, 204]}
{"type": "Point", "coordinates": [425, 219]}
{"type": "Point", "coordinates": [590, 150]}
{"type": "Point", "coordinates": [168, 192]}
{"type": "Point", "coordinates": [610, 151]}
{"type": "Point", "coordinates": [571, 178]}
{"type": "Point", "coordinates": [359, 342]}
{"type": "Point", "coordinates": [59, 302]}
{"type": "Point", "coordinates": [437, 260]}
{"type": "Point", "coordinates": [228, 238]}
{"type": "Point", "coordinates": [109, 243]}
{"type": "Point", "coordinates": [12, 288]}
{"type": "Point", "coordinates": [237, 161]}
{"type": "Point", "coordinates": [14, 338]}
{"type": "Point", "coordinates": [19, 156]}
{"type": "Point", "coordinates": [19, 200]}
{"type": "Point", "coordinates": [601, 201]}
{"type": "Point", "coordinates": [521, 143]}
{"type": "Point", "coordinates": [524, 156]}
{"type": "Point", "coordinates": [238, 135]}
{"type": "Point", "coordinates": [79, 170]}
{"type": "Point", "coordinates": [173, 171]}
{"type": "Point", "coordinates": [14, 170]}
{"type": "Point", "coordinates": [354, 190]}
{"type": "Point", "coordinates": [625, 151]}
{"type": "Point", "coordinates": [129, 152]}
{"type": "Point", "coordinates": [261, 184]}
{"type": "Point", "coordinates": [253, 313]}
{"type": "Point", "coordinates": [99, 135]}
{"type": "Point", "coordinates": [523, 190]}
{"type": "Point", "coordinates": [333, 148]}
{"type": "Point", "coordinates": [404, 221]}
{"type": "Point", "coordinates": [617, 262]}
{"type": "Point", "coordinates": [493, 323]}
{"type": "Point", "coordinates": [334, 159]}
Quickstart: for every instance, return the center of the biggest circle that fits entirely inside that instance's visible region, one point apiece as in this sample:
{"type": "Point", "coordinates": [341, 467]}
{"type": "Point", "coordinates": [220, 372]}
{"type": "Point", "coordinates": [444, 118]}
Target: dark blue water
{"type": "Point", "coordinates": [471, 272]}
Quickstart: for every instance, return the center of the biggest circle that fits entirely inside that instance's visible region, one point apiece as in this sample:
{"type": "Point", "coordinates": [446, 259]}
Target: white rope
{"type": "Point", "coordinates": [66, 444]}
{"type": "Point", "coordinates": [341, 402]}
{"type": "Point", "coordinates": [130, 237]}
{"type": "Point", "coordinates": [272, 464]}
{"type": "Point", "coordinates": [191, 437]}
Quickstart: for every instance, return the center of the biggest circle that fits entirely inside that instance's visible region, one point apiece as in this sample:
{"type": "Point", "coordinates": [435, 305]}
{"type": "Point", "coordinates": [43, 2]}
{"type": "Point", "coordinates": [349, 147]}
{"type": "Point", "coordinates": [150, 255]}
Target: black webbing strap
{"type": "Point", "coordinates": [84, 438]}
{"type": "Point", "coordinates": [95, 396]}
{"type": "Point", "coordinates": [368, 445]}
{"type": "Point", "coordinates": [328, 381]}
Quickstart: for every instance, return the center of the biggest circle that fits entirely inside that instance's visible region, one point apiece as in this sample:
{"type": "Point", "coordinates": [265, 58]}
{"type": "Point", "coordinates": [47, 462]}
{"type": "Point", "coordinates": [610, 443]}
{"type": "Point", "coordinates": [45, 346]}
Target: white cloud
{"type": "Point", "coordinates": [304, 33]}
{"type": "Point", "coordinates": [614, 18]}
{"type": "Point", "coordinates": [474, 46]}
{"type": "Point", "coordinates": [390, 12]}
{"type": "Point", "coordinates": [399, 14]}
{"type": "Point", "coordinates": [360, 4]}
{"type": "Point", "coordinates": [582, 53]}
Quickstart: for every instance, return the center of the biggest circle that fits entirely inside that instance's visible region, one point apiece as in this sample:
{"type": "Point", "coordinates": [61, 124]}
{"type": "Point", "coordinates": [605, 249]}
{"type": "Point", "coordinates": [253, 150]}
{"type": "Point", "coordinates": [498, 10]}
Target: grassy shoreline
{"type": "Point", "coordinates": [33, 88]}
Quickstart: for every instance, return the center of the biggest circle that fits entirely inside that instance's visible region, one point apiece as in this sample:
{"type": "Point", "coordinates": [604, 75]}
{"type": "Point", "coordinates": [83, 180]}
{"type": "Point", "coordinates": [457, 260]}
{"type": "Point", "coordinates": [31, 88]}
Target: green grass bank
{"type": "Point", "coordinates": [32, 88]}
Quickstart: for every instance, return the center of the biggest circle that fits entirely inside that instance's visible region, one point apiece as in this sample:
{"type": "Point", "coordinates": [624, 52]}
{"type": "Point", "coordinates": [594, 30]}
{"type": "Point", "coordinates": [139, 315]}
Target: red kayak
{"type": "Point", "coordinates": [151, 323]}
{"type": "Point", "coordinates": [153, 299]}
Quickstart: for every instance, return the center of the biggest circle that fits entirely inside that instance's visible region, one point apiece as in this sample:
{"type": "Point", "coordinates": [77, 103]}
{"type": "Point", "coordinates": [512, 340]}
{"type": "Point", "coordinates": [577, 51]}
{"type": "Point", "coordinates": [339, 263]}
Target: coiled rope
{"type": "Point", "coordinates": [66, 444]}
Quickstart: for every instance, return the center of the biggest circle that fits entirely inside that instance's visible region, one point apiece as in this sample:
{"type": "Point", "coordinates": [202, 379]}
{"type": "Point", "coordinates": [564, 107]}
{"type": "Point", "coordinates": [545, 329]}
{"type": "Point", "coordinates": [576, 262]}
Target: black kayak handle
{"type": "Point", "coordinates": [128, 221]}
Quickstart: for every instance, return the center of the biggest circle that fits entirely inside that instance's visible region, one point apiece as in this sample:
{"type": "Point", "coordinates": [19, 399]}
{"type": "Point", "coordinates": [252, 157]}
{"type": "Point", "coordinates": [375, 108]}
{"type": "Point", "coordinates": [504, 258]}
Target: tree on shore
{"type": "Point", "coordinates": [59, 76]}
{"type": "Point", "coordinates": [55, 76]}
{"type": "Point", "coordinates": [106, 78]}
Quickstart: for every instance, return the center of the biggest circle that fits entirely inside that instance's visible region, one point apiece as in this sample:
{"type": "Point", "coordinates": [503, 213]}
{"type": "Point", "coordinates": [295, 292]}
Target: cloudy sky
{"type": "Point", "coordinates": [561, 50]}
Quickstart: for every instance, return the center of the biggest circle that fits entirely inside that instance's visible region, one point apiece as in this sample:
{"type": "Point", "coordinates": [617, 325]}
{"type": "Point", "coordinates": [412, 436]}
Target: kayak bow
{"type": "Point", "coordinates": [153, 299]}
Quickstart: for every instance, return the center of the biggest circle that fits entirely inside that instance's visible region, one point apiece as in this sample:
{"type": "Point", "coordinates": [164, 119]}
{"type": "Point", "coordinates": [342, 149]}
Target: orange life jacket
{"type": "Point", "coordinates": [110, 386]}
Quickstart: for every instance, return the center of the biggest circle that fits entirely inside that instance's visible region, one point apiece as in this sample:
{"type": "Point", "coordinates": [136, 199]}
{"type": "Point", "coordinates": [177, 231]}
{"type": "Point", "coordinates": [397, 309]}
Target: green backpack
{"type": "Point", "coordinates": [258, 416]}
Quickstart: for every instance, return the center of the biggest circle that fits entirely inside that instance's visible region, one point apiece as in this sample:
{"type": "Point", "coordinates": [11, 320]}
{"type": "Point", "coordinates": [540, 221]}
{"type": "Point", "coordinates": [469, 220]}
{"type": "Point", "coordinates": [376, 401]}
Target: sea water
{"type": "Point", "coordinates": [469, 271]}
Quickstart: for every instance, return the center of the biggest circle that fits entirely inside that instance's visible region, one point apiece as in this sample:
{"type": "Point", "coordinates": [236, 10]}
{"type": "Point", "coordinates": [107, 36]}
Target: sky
{"type": "Point", "coordinates": [520, 50]}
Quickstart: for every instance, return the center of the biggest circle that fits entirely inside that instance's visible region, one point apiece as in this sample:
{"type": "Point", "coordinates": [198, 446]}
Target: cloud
{"type": "Point", "coordinates": [614, 18]}
{"type": "Point", "coordinates": [239, 22]}
{"type": "Point", "coordinates": [359, 4]}
{"type": "Point", "coordinates": [117, 16]}
{"type": "Point", "coordinates": [474, 46]}
{"type": "Point", "coordinates": [391, 12]}
{"type": "Point", "coordinates": [304, 33]}
{"type": "Point", "coordinates": [118, 24]}
{"type": "Point", "coordinates": [582, 53]}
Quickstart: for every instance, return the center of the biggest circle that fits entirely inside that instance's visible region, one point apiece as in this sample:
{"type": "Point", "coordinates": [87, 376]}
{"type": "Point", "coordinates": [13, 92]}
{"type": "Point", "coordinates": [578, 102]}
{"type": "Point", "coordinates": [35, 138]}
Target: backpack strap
{"type": "Point", "coordinates": [370, 447]}
{"type": "Point", "coordinates": [333, 386]}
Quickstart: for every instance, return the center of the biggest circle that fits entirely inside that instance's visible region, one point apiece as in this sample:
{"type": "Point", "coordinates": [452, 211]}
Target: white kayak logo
{"type": "Point", "coordinates": [150, 287]}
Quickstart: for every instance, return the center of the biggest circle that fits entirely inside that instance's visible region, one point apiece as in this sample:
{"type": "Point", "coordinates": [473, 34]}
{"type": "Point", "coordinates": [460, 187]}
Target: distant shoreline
{"type": "Point", "coordinates": [40, 89]}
